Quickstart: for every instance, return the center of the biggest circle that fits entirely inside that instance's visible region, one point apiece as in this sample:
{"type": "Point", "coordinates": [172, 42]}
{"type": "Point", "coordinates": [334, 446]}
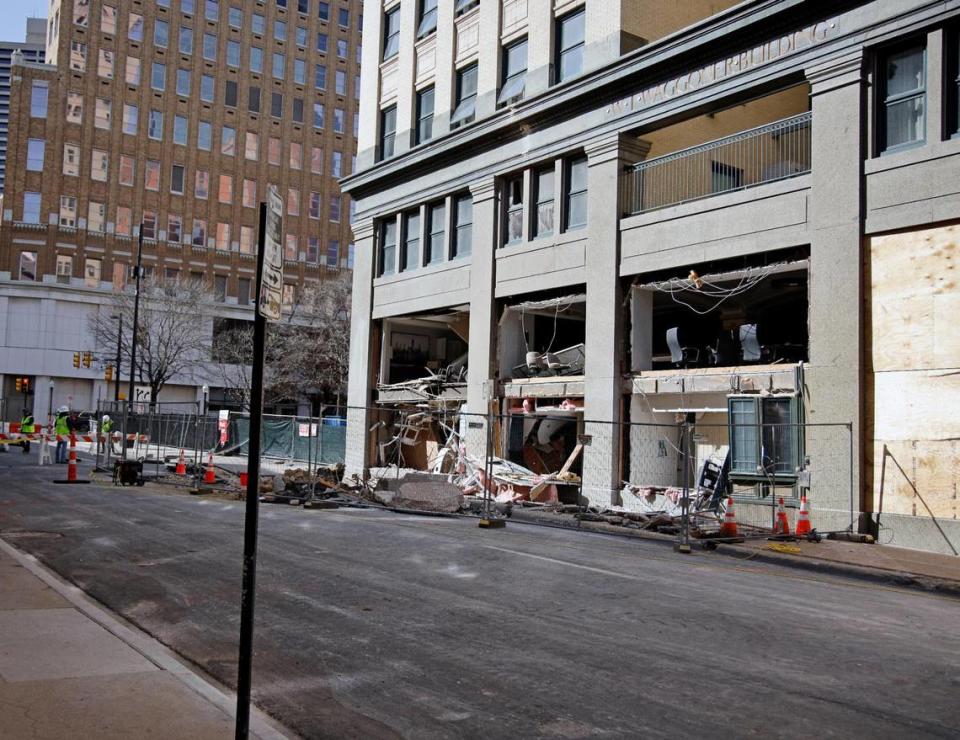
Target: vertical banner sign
{"type": "Point", "coordinates": [271, 284]}
{"type": "Point", "coordinates": [223, 424]}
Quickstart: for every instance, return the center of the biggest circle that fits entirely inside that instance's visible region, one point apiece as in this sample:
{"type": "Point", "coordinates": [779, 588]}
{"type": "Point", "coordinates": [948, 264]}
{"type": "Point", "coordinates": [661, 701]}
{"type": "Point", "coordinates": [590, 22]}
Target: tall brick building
{"type": "Point", "coordinates": [176, 114]}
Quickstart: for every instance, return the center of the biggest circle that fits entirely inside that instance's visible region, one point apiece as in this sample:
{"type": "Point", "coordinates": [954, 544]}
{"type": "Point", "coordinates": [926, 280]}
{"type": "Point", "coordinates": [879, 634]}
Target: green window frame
{"type": "Point", "coordinates": [766, 438]}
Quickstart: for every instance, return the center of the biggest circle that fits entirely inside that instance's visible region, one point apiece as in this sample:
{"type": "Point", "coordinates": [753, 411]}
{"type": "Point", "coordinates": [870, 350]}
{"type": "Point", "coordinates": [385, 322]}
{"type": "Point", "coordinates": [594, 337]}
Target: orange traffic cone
{"type": "Point", "coordinates": [782, 526]}
{"type": "Point", "coordinates": [729, 526]}
{"type": "Point", "coordinates": [209, 476]}
{"type": "Point", "coordinates": [181, 464]}
{"type": "Point", "coordinates": [803, 518]}
{"type": "Point", "coordinates": [72, 464]}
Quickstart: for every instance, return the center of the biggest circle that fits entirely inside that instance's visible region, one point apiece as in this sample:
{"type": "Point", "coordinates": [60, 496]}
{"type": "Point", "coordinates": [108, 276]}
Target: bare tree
{"type": "Point", "coordinates": [173, 331]}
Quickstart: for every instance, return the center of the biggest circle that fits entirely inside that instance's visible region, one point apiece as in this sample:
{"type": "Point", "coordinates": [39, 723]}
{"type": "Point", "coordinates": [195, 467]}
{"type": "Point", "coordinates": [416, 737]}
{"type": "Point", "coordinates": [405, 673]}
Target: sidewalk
{"type": "Point", "coordinates": [70, 669]}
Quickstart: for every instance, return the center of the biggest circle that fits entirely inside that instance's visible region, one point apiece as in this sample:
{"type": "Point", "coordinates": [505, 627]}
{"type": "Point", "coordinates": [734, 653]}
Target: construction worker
{"type": "Point", "coordinates": [26, 427]}
{"type": "Point", "coordinates": [103, 440]}
{"type": "Point", "coordinates": [62, 429]}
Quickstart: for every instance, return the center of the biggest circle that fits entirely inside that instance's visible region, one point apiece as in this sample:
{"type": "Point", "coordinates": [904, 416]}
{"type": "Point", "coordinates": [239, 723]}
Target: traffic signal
{"type": "Point", "coordinates": [87, 359]}
{"type": "Point", "coordinates": [19, 384]}
{"type": "Point", "coordinates": [76, 359]}
{"type": "Point", "coordinates": [26, 384]}
{"type": "Point", "coordinates": [108, 373]}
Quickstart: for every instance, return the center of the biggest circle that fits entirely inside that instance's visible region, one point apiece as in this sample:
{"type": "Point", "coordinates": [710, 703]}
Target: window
{"type": "Point", "coordinates": [148, 224]}
{"type": "Point", "coordinates": [320, 77]}
{"type": "Point", "coordinates": [151, 175]}
{"type": "Point", "coordinates": [322, 41]}
{"type": "Point", "coordinates": [74, 107]}
{"type": "Point", "coordinates": [180, 130]}
{"type": "Point", "coordinates": [155, 125]}
{"type": "Point", "coordinates": [428, 18]}
{"type": "Point", "coordinates": [301, 37]}
{"type": "Point", "coordinates": [91, 272]}
{"type": "Point", "coordinates": [391, 33]}
{"type": "Point", "coordinates": [96, 216]}
{"type": "Point", "coordinates": [105, 64]}
{"type": "Point", "coordinates": [462, 226]}
{"type": "Point", "coordinates": [99, 165]}
{"type": "Point", "coordinates": [158, 76]}
{"type": "Point", "coordinates": [39, 93]}
{"type": "Point", "coordinates": [318, 115]}
{"type": "Point", "coordinates": [135, 27]}
{"type": "Point", "coordinates": [64, 269]}
{"type": "Point", "coordinates": [344, 18]}
{"type": "Point", "coordinates": [183, 82]}
{"type": "Point", "coordinates": [290, 251]}
{"type": "Point", "coordinates": [198, 236]}
{"type": "Point", "coordinates": [388, 131]}
{"type": "Point", "coordinates": [78, 56]}
{"type": "Point", "coordinates": [273, 150]}
{"type": "Point", "coordinates": [314, 207]}
{"type": "Point", "coordinates": [206, 88]}
{"type": "Point", "coordinates": [201, 186]}
{"type": "Point", "coordinates": [246, 242]}
{"type": "Point", "coordinates": [279, 65]}
{"type": "Point", "coordinates": [276, 105]}
{"type": "Point", "coordinates": [436, 227]}
{"type": "Point", "coordinates": [35, 152]}
{"type": "Point", "coordinates": [127, 170]}
{"type": "Point", "coordinates": [296, 155]}
{"type": "Point", "coordinates": [313, 249]}
{"type": "Point", "coordinates": [765, 439]}
{"type": "Point", "coordinates": [186, 40]}
{"type": "Point", "coordinates": [300, 71]}
{"type": "Point", "coordinates": [230, 93]}
{"type": "Point", "coordinates": [335, 204]}
{"type": "Point", "coordinates": [287, 298]}
{"type": "Point", "coordinates": [124, 220]}
{"type": "Point", "coordinates": [119, 277]}
{"type": "Point", "coordinates": [177, 177]}
{"type": "Point", "coordinates": [293, 202]}
{"type": "Point", "coordinates": [31, 208]}
{"type": "Point", "coordinates": [243, 284]}
{"type": "Point", "coordinates": [388, 246]}
{"type": "Point", "coordinates": [341, 48]}
{"type": "Point", "coordinates": [256, 59]}
{"type": "Point", "coordinates": [340, 84]}
{"type": "Point", "coordinates": [543, 182]}
{"type": "Point", "coordinates": [410, 257]}
{"type": "Point", "coordinates": [108, 19]}
{"type": "Point", "coordinates": [68, 211]}
{"type": "Point", "coordinates": [258, 24]}
{"type": "Point", "coordinates": [101, 113]}
{"type": "Point", "coordinates": [251, 146]}
{"type": "Point", "coordinates": [225, 191]}
{"type": "Point", "coordinates": [350, 250]}
{"type": "Point", "coordinates": [233, 54]}
{"type": "Point", "coordinates": [338, 120]}
{"type": "Point", "coordinates": [464, 6]}
{"type": "Point", "coordinates": [336, 164]}
{"type": "Point", "coordinates": [186, 6]}
{"type": "Point", "coordinates": [161, 34]}
{"type": "Point", "coordinates": [466, 97]}
{"type": "Point", "coordinates": [132, 74]}
{"type": "Point", "coordinates": [249, 194]}
{"type": "Point", "coordinates": [513, 202]}
{"type": "Point", "coordinates": [424, 115]}
{"type": "Point", "coordinates": [333, 252]}
{"type": "Point", "coordinates": [235, 17]}
{"type": "Point", "coordinates": [316, 160]}
{"type": "Point", "coordinates": [280, 31]}
{"type": "Point", "coordinates": [514, 73]}
{"type": "Point", "coordinates": [204, 135]}
{"type": "Point", "coordinates": [323, 11]}
{"type": "Point", "coordinates": [904, 98]}
{"type": "Point", "coordinates": [71, 159]}
{"type": "Point", "coordinates": [253, 100]}
{"type": "Point", "coordinates": [209, 47]}
{"type": "Point", "coordinates": [174, 229]}
{"type": "Point", "coordinates": [297, 113]}
{"type": "Point", "coordinates": [575, 205]}
{"type": "Point", "coordinates": [724, 177]}
{"type": "Point", "coordinates": [212, 10]}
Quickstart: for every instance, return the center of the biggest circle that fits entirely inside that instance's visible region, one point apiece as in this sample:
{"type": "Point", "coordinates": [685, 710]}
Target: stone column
{"type": "Point", "coordinates": [362, 362]}
{"type": "Point", "coordinates": [481, 362]}
{"type": "Point", "coordinates": [606, 349]}
{"type": "Point", "coordinates": [834, 376]}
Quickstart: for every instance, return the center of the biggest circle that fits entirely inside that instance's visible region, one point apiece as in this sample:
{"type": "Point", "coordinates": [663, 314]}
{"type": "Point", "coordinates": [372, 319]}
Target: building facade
{"type": "Point", "coordinates": [31, 50]}
{"type": "Point", "coordinates": [174, 117]}
{"type": "Point", "coordinates": [743, 216]}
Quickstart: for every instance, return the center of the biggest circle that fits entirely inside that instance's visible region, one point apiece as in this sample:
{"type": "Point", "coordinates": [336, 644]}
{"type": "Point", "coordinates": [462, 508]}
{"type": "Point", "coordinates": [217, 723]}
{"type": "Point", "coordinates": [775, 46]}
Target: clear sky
{"type": "Point", "coordinates": [14, 14]}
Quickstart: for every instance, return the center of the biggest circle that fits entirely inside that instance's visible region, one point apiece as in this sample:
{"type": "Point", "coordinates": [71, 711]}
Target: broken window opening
{"type": "Point", "coordinates": [543, 338]}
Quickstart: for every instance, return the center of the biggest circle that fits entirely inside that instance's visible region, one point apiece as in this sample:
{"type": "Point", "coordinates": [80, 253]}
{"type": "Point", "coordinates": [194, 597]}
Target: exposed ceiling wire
{"type": "Point", "coordinates": [676, 287]}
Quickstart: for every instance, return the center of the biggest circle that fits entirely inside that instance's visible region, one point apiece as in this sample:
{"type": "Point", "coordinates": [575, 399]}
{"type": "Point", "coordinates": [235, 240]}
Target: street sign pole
{"type": "Point", "coordinates": [269, 284]}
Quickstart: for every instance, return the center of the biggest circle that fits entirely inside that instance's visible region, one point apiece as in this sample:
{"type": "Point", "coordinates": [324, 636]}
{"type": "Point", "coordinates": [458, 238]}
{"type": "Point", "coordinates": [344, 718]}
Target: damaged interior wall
{"type": "Point", "coordinates": [913, 378]}
{"type": "Point", "coordinates": [542, 325]}
{"type": "Point", "coordinates": [415, 346]}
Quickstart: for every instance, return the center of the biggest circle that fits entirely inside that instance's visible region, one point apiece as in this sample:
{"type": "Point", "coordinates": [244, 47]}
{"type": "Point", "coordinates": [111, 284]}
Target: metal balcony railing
{"type": "Point", "coordinates": [774, 151]}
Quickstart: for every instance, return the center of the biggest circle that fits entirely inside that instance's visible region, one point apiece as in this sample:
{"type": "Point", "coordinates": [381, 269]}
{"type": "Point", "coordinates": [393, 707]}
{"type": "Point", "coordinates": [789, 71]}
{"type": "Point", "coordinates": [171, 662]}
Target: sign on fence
{"type": "Point", "coordinates": [271, 285]}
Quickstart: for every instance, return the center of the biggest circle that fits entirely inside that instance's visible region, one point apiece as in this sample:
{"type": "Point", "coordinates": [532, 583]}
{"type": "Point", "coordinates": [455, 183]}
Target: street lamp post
{"type": "Point", "coordinates": [128, 408]}
{"type": "Point", "coordinates": [116, 381]}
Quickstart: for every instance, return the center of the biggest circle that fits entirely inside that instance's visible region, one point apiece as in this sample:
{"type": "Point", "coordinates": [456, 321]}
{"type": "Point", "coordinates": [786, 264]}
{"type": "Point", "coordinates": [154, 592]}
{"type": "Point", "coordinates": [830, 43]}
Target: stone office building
{"type": "Point", "coordinates": [732, 214]}
{"type": "Point", "coordinates": [174, 114]}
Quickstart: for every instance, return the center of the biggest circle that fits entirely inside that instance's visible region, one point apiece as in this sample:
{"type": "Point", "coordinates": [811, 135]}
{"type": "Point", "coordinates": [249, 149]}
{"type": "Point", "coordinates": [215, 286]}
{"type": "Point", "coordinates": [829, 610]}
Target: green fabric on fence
{"type": "Point", "coordinates": [281, 438]}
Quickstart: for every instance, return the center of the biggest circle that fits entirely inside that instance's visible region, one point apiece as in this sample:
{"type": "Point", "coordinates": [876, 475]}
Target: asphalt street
{"type": "Point", "coordinates": [377, 625]}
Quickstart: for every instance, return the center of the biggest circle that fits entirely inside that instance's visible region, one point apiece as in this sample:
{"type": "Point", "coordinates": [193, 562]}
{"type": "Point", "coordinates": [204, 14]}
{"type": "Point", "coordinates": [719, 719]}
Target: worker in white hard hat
{"type": "Point", "coordinates": [103, 439]}
{"type": "Point", "coordinates": [62, 430]}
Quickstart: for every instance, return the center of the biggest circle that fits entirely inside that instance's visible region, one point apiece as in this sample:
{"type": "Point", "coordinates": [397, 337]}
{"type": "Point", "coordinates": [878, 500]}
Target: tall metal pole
{"type": "Point", "coordinates": [116, 384]}
{"type": "Point", "coordinates": [136, 318]}
{"type": "Point", "coordinates": [245, 662]}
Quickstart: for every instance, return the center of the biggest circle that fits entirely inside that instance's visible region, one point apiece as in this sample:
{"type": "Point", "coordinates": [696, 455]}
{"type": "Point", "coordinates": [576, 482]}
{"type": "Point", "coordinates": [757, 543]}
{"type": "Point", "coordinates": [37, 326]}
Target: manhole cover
{"type": "Point", "coordinates": [31, 535]}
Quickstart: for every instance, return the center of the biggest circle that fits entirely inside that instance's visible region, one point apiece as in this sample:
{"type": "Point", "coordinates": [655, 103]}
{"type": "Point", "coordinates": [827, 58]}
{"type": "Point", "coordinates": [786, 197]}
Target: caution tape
{"type": "Point", "coordinates": [116, 437]}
